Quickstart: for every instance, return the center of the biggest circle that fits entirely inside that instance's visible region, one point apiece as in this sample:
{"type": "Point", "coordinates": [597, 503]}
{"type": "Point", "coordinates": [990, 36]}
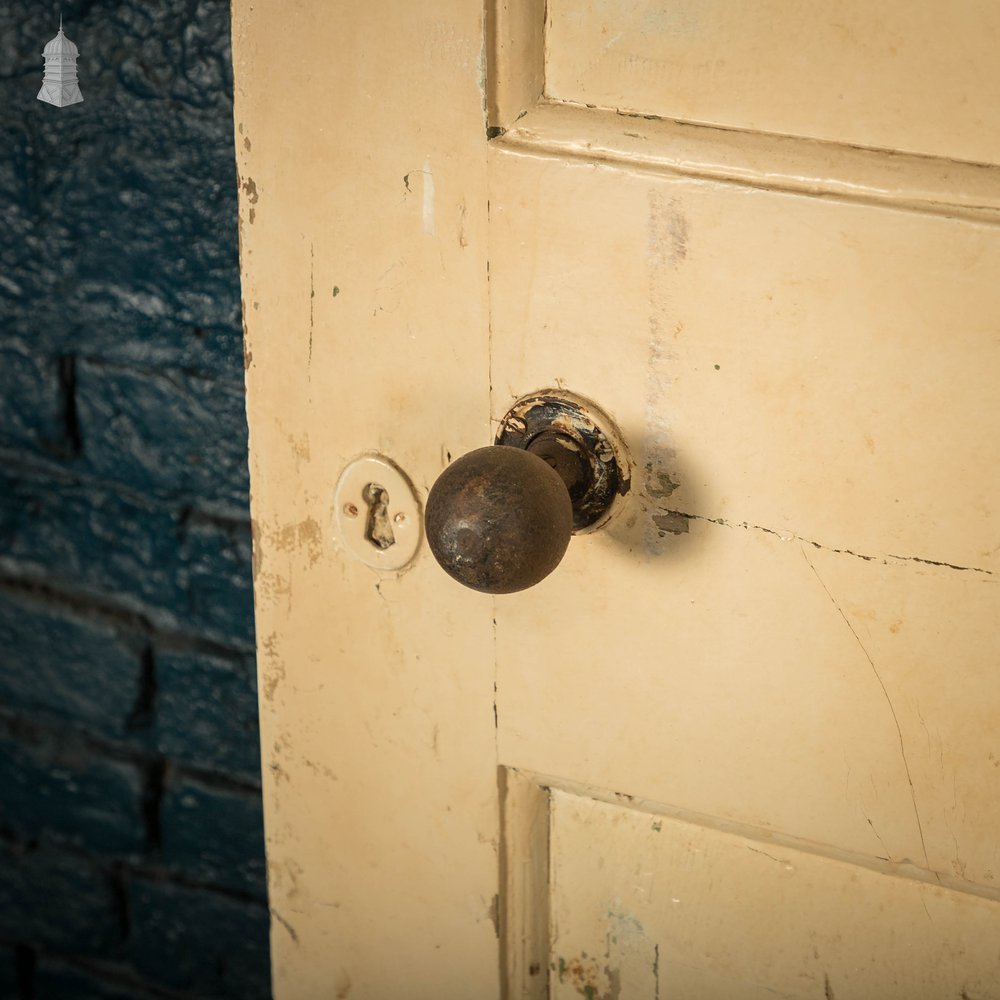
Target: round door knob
{"type": "Point", "coordinates": [499, 519]}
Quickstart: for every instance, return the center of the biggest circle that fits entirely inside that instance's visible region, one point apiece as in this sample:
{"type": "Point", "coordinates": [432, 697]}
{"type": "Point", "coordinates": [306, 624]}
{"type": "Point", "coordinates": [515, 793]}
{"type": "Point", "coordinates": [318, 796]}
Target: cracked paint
{"type": "Point", "coordinates": [789, 536]}
{"type": "Point", "coordinates": [888, 700]}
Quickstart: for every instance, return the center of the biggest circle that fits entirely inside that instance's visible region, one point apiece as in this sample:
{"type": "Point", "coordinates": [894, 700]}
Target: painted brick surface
{"type": "Point", "coordinates": [56, 979]}
{"type": "Point", "coordinates": [55, 662]}
{"type": "Point", "coordinates": [58, 900]}
{"type": "Point", "coordinates": [31, 405]}
{"type": "Point", "coordinates": [169, 942]}
{"type": "Point", "coordinates": [53, 787]}
{"type": "Point", "coordinates": [216, 562]}
{"type": "Point", "coordinates": [203, 458]}
{"type": "Point", "coordinates": [204, 834]}
{"type": "Point", "coordinates": [194, 692]}
{"type": "Point", "coordinates": [92, 540]}
{"type": "Point", "coordinates": [131, 845]}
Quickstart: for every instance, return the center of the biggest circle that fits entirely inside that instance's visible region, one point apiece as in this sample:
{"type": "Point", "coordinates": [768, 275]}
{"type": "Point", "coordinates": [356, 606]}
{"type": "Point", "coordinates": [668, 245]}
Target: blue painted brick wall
{"type": "Point", "coordinates": [131, 839]}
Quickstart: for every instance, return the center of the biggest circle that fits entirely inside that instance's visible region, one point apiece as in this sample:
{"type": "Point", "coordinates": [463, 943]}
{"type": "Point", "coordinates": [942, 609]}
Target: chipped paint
{"type": "Point", "coordinates": [257, 549]}
{"type": "Point", "coordinates": [305, 536]}
{"type": "Point", "coordinates": [428, 202]}
{"type": "Point", "coordinates": [667, 240]}
{"type": "Point", "coordinates": [673, 522]}
{"type": "Point", "coordinates": [588, 978]}
{"type": "Point", "coordinates": [659, 484]}
{"type": "Point", "coordinates": [249, 187]}
{"type": "Point", "coordinates": [272, 665]}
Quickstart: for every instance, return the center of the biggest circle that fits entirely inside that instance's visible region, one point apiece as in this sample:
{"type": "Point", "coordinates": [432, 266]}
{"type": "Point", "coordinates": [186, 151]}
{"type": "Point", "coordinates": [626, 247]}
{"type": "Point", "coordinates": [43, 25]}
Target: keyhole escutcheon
{"type": "Point", "coordinates": [384, 538]}
{"type": "Point", "coordinates": [378, 530]}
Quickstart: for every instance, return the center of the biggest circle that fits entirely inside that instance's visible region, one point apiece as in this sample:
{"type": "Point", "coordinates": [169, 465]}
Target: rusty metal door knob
{"type": "Point", "coordinates": [499, 519]}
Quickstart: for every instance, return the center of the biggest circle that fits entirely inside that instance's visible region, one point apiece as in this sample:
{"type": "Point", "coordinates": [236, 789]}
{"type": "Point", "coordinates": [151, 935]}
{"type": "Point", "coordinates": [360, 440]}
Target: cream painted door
{"type": "Point", "coordinates": [742, 743]}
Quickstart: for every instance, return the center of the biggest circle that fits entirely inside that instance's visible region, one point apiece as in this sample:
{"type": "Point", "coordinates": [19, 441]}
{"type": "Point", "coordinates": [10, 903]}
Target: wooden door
{"type": "Point", "coordinates": [742, 742]}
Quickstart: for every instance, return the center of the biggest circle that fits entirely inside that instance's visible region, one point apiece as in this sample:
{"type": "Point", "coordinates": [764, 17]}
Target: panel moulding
{"type": "Point", "coordinates": [522, 118]}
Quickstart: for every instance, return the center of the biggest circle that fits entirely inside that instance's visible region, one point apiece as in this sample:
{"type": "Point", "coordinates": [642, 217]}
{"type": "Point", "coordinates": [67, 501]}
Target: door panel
{"type": "Point", "coordinates": [921, 78]}
{"type": "Point", "coordinates": [786, 371]}
{"type": "Point", "coordinates": [688, 912]}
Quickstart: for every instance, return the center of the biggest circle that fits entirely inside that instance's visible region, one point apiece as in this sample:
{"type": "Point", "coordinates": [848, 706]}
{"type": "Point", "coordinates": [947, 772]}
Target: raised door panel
{"type": "Point", "coordinates": [922, 78]}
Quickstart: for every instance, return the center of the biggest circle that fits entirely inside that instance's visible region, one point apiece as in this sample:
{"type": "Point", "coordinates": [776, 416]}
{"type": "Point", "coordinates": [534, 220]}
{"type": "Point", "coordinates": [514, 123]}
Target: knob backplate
{"type": "Point", "coordinates": [576, 438]}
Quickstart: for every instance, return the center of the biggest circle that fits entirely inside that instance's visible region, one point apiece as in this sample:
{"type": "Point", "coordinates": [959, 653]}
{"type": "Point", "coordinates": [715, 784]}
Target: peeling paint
{"type": "Point", "coordinates": [659, 485]}
{"type": "Point", "coordinates": [672, 521]}
{"type": "Point", "coordinates": [249, 187]}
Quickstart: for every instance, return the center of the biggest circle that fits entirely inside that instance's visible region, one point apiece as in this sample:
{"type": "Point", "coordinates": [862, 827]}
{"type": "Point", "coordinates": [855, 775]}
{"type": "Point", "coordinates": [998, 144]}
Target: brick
{"type": "Point", "coordinates": [54, 788]}
{"type": "Point", "coordinates": [166, 433]}
{"type": "Point", "coordinates": [206, 712]}
{"type": "Point", "coordinates": [80, 537]}
{"type": "Point", "coordinates": [57, 900]}
{"type": "Point", "coordinates": [56, 980]}
{"type": "Point", "coordinates": [218, 575]}
{"type": "Point", "coordinates": [181, 574]}
{"type": "Point", "coordinates": [199, 941]}
{"type": "Point", "coordinates": [214, 835]}
{"type": "Point", "coordinates": [56, 662]}
{"type": "Point", "coordinates": [31, 403]}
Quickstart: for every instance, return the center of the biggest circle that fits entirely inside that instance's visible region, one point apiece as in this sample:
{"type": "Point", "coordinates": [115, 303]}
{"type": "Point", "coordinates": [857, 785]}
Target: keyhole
{"type": "Point", "coordinates": [378, 530]}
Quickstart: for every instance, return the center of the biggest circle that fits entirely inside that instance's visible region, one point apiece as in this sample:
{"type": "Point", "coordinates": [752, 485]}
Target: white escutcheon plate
{"type": "Point", "coordinates": [376, 513]}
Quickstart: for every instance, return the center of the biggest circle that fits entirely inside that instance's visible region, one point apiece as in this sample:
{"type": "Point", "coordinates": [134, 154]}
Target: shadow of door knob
{"type": "Point", "coordinates": [499, 519]}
